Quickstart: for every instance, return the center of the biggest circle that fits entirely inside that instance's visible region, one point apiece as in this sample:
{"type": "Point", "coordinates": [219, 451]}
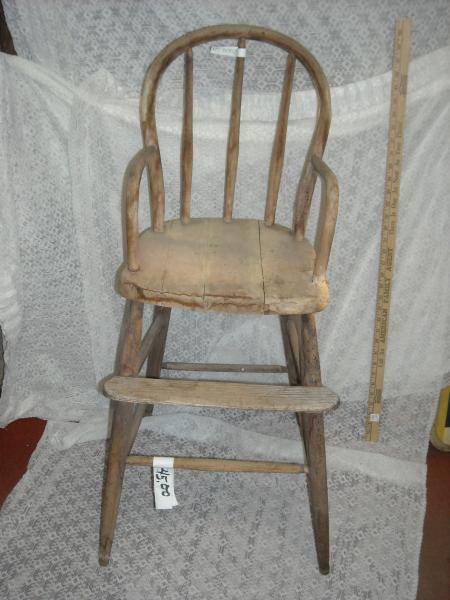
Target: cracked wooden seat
{"type": "Point", "coordinates": [241, 266]}
{"type": "Point", "coordinates": [221, 394]}
{"type": "Point", "coordinates": [228, 265]}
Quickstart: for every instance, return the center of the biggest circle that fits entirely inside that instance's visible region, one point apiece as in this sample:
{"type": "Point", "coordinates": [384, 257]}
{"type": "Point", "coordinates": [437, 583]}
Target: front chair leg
{"type": "Point", "coordinates": [127, 418]}
{"type": "Point", "coordinates": [115, 469]}
{"type": "Point", "coordinates": [156, 353]}
{"type": "Point", "coordinates": [123, 417]}
{"type": "Point", "coordinates": [302, 359]}
{"type": "Point", "coordinates": [314, 440]}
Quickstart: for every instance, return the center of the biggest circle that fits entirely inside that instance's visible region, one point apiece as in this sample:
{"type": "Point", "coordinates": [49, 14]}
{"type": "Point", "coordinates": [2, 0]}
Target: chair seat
{"type": "Point", "coordinates": [242, 266]}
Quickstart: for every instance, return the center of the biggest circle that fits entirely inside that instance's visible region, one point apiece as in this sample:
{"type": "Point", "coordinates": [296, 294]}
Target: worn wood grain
{"type": "Point", "coordinates": [232, 273]}
{"type": "Point", "coordinates": [132, 181]}
{"type": "Point", "coordinates": [279, 144]}
{"type": "Point", "coordinates": [156, 352]}
{"type": "Point", "coordinates": [243, 33]}
{"type": "Point", "coordinates": [222, 465]}
{"type": "Point", "coordinates": [287, 268]}
{"type": "Point", "coordinates": [308, 177]}
{"type": "Point", "coordinates": [160, 321]}
{"type": "Point", "coordinates": [119, 441]}
{"type": "Point", "coordinates": [310, 360]}
{"type": "Point", "coordinates": [226, 265]}
{"type": "Point", "coordinates": [233, 135]}
{"type": "Point", "coordinates": [327, 217]}
{"type": "Point", "coordinates": [241, 266]}
{"type": "Point", "coordinates": [126, 418]}
{"type": "Point", "coordinates": [312, 167]}
{"type": "Point", "coordinates": [314, 440]}
{"type": "Point", "coordinates": [223, 368]}
{"type": "Point", "coordinates": [302, 355]}
{"type": "Point", "coordinates": [291, 352]}
{"type": "Point", "coordinates": [130, 340]}
{"type": "Point", "coordinates": [219, 394]}
{"type": "Point", "coordinates": [187, 138]}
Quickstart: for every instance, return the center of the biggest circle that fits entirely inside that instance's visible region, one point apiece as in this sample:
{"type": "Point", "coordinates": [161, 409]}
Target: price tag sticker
{"type": "Point", "coordinates": [163, 482]}
{"type": "Point", "coordinates": [228, 51]}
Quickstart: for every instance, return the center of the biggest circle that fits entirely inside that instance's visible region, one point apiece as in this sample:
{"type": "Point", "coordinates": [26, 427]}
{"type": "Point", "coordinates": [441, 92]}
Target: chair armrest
{"type": "Point", "coordinates": [327, 217]}
{"type": "Point", "coordinates": [131, 185]}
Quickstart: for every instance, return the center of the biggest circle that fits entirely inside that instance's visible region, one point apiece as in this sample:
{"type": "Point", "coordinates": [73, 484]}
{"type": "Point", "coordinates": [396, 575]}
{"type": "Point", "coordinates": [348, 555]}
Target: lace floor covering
{"type": "Point", "coordinates": [233, 536]}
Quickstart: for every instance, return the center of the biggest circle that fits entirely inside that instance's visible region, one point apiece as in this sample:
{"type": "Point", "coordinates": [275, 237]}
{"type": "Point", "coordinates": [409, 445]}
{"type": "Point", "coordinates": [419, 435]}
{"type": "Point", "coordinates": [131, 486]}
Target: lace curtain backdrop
{"type": "Point", "coordinates": [69, 125]}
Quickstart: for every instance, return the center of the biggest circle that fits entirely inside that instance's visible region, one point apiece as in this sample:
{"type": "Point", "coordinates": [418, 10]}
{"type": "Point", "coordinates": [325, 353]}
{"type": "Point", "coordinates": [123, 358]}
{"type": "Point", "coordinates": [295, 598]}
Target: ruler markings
{"type": "Point", "coordinates": [389, 224]}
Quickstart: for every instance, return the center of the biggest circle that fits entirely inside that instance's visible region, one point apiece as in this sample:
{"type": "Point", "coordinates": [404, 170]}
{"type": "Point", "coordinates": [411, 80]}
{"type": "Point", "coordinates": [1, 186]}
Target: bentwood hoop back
{"type": "Point", "coordinates": [227, 265]}
{"type": "Point", "coordinates": [242, 33]}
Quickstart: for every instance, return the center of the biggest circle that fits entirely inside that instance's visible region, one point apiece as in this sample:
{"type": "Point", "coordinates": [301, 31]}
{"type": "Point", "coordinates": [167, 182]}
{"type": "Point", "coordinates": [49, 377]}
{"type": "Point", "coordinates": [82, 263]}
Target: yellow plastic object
{"type": "Point", "coordinates": [440, 434]}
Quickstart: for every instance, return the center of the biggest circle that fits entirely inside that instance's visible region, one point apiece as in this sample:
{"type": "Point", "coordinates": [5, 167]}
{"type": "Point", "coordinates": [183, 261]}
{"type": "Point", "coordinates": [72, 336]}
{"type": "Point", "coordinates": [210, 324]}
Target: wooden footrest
{"type": "Point", "coordinates": [224, 465]}
{"type": "Point", "coordinates": [219, 394]}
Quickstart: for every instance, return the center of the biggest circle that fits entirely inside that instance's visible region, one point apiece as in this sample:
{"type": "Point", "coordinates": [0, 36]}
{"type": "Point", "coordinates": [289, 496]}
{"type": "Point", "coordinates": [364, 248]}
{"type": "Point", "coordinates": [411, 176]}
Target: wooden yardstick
{"type": "Point", "coordinates": [389, 225]}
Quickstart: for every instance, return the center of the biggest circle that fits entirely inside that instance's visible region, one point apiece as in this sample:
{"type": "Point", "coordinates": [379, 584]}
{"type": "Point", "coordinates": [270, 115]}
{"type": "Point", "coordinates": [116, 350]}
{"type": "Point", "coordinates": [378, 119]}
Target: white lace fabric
{"type": "Point", "coordinates": [69, 125]}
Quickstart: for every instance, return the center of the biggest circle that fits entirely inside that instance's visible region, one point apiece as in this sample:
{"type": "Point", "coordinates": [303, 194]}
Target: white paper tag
{"type": "Point", "coordinates": [228, 51]}
{"type": "Point", "coordinates": [374, 418]}
{"type": "Point", "coordinates": [163, 482]}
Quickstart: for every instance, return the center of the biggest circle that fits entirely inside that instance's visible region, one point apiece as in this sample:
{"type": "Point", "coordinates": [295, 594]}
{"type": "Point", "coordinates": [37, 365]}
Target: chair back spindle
{"type": "Point", "coordinates": [233, 135]}
{"type": "Point", "coordinates": [242, 33]}
{"type": "Point", "coordinates": [186, 138]}
{"type": "Point", "coordinates": [279, 144]}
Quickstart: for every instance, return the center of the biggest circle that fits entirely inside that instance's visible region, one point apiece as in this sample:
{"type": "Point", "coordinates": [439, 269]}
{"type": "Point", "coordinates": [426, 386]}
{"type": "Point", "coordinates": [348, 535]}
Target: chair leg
{"type": "Point", "coordinates": [154, 362]}
{"type": "Point", "coordinates": [127, 418]}
{"type": "Point", "coordinates": [314, 439]}
{"type": "Point", "coordinates": [313, 435]}
{"type": "Point", "coordinates": [290, 334]}
{"type": "Point", "coordinates": [156, 354]}
{"type": "Point", "coordinates": [115, 469]}
{"type": "Point", "coordinates": [302, 359]}
{"type": "Point", "coordinates": [122, 418]}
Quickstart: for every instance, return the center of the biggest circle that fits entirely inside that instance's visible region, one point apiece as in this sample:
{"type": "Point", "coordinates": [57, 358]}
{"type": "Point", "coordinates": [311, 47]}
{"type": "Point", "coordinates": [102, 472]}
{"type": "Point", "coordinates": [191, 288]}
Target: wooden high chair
{"type": "Point", "coordinates": [228, 265]}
